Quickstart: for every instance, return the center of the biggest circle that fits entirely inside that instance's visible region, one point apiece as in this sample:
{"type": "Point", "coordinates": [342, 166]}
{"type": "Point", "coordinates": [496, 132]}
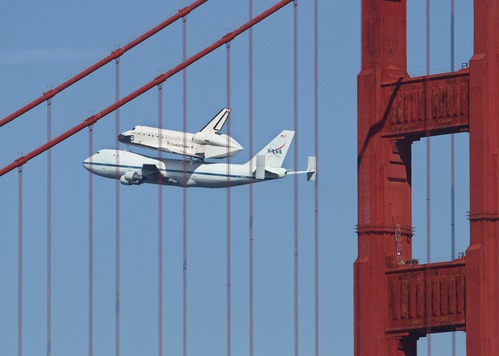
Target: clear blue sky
{"type": "Point", "coordinates": [46, 42]}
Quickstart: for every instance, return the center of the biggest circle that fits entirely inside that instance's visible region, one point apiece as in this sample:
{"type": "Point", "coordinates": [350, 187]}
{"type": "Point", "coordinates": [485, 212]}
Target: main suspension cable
{"type": "Point", "coordinates": [115, 54]}
{"type": "Point", "coordinates": [159, 79]}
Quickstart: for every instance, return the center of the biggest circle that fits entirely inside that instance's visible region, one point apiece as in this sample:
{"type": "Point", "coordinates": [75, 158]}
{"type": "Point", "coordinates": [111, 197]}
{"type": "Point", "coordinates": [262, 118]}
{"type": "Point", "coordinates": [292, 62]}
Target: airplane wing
{"type": "Point", "coordinates": [151, 172]}
{"type": "Point", "coordinates": [217, 122]}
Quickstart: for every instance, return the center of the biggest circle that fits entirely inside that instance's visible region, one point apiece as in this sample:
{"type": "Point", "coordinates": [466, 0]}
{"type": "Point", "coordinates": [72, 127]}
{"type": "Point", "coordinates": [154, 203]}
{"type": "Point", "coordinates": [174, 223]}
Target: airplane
{"type": "Point", "coordinates": [207, 143]}
{"type": "Point", "coordinates": [134, 169]}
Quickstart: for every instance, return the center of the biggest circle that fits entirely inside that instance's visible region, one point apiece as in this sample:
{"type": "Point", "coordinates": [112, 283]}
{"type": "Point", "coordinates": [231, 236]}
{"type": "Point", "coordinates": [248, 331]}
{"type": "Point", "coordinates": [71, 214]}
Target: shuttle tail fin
{"type": "Point", "coordinates": [217, 122]}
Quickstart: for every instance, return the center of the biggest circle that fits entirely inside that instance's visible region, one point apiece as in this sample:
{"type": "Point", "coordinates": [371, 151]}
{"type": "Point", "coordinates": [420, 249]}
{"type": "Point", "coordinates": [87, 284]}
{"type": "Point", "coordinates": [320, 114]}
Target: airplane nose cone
{"type": "Point", "coordinates": [125, 138]}
{"type": "Point", "coordinates": [86, 164]}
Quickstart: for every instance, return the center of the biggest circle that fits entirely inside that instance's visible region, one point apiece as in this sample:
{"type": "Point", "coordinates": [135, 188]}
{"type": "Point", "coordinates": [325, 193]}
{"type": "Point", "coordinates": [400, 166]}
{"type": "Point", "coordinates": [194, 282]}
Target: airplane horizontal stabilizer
{"type": "Point", "coordinates": [311, 170]}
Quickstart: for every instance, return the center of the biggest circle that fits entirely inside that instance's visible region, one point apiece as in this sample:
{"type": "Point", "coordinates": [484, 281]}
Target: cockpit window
{"type": "Point", "coordinates": [133, 129]}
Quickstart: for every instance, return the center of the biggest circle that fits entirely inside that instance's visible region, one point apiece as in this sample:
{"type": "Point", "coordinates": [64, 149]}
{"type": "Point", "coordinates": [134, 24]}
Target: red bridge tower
{"type": "Point", "coordinates": [397, 302]}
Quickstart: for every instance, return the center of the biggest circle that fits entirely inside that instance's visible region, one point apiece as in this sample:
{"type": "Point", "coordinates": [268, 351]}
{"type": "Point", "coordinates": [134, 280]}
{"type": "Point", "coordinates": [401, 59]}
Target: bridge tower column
{"type": "Point", "coordinates": [482, 256]}
{"type": "Point", "coordinates": [384, 181]}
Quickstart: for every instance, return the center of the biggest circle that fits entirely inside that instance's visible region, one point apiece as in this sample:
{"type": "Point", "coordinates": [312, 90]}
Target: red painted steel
{"type": "Point", "coordinates": [384, 191]}
{"type": "Point", "coordinates": [441, 99]}
{"type": "Point", "coordinates": [407, 309]}
{"type": "Point", "coordinates": [156, 81]}
{"type": "Point", "coordinates": [114, 55]}
{"type": "Point", "coordinates": [395, 306]}
{"type": "Point", "coordinates": [482, 268]}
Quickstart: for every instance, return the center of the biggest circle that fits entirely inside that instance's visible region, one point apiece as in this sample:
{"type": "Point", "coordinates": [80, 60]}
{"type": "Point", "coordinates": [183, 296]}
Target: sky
{"type": "Point", "coordinates": [47, 42]}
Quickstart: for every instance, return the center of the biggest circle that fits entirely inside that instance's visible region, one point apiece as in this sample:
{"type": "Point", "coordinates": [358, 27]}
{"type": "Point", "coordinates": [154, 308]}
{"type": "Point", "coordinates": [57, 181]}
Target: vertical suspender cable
{"type": "Point", "coordinates": [49, 230]}
{"type": "Point", "coordinates": [20, 262]}
{"type": "Point", "coordinates": [452, 43]}
{"type": "Point", "coordinates": [452, 167]}
{"type": "Point", "coordinates": [228, 243]}
{"type": "Point", "coordinates": [184, 191]}
{"type": "Point", "coordinates": [90, 245]}
{"type": "Point", "coordinates": [160, 226]}
{"type": "Point", "coordinates": [316, 185]}
{"type": "Point", "coordinates": [295, 104]}
{"type": "Point", "coordinates": [250, 104]}
{"type": "Point", "coordinates": [428, 186]}
{"type": "Point", "coordinates": [117, 221]}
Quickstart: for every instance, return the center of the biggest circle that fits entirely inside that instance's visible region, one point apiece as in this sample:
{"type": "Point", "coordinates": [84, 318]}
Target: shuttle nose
{"type": "Point", "coordinates": [125, 138]}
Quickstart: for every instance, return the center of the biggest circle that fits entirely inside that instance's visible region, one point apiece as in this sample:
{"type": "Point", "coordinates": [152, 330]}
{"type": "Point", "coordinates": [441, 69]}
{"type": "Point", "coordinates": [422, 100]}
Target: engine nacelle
{"type": "Point", "coordinates": [131, 178]}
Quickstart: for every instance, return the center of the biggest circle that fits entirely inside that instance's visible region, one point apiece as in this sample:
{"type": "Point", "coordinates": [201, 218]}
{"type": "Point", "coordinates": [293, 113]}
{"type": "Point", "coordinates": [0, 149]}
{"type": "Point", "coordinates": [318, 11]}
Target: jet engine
{"type": "Point", "coordinates": [130, 178]}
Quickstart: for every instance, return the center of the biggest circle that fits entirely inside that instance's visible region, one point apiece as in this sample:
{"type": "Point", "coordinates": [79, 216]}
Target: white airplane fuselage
{"type": "Point", "coordinates": [128, 168]}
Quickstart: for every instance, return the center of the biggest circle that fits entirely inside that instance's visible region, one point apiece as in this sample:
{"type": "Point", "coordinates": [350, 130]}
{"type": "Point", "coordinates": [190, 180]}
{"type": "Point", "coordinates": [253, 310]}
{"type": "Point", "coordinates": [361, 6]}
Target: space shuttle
{"type": "Point", "coordinates": [207, 143]}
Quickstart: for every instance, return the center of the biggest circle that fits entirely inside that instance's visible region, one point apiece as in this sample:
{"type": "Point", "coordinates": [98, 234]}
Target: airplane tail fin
{"type": "Point", "coordinates": [217, 122]}
{"type": "Point", "coordinates": [273, 154]}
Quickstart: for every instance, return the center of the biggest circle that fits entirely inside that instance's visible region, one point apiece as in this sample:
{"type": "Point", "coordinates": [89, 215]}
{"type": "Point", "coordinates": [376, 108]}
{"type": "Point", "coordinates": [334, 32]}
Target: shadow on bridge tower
{"type": "Point", "coordinates": [397, 302]}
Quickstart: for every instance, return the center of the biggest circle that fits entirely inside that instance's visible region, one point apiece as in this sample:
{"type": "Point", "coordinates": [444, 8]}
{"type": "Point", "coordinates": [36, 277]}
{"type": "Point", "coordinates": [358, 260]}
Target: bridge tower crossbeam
{"type": "Point", "coordinates": [396, 301]}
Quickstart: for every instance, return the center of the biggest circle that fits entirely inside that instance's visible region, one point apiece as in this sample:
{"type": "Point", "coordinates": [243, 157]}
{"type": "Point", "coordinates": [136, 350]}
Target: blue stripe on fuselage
{"type": "Point", "coordinates": [166, 171]}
